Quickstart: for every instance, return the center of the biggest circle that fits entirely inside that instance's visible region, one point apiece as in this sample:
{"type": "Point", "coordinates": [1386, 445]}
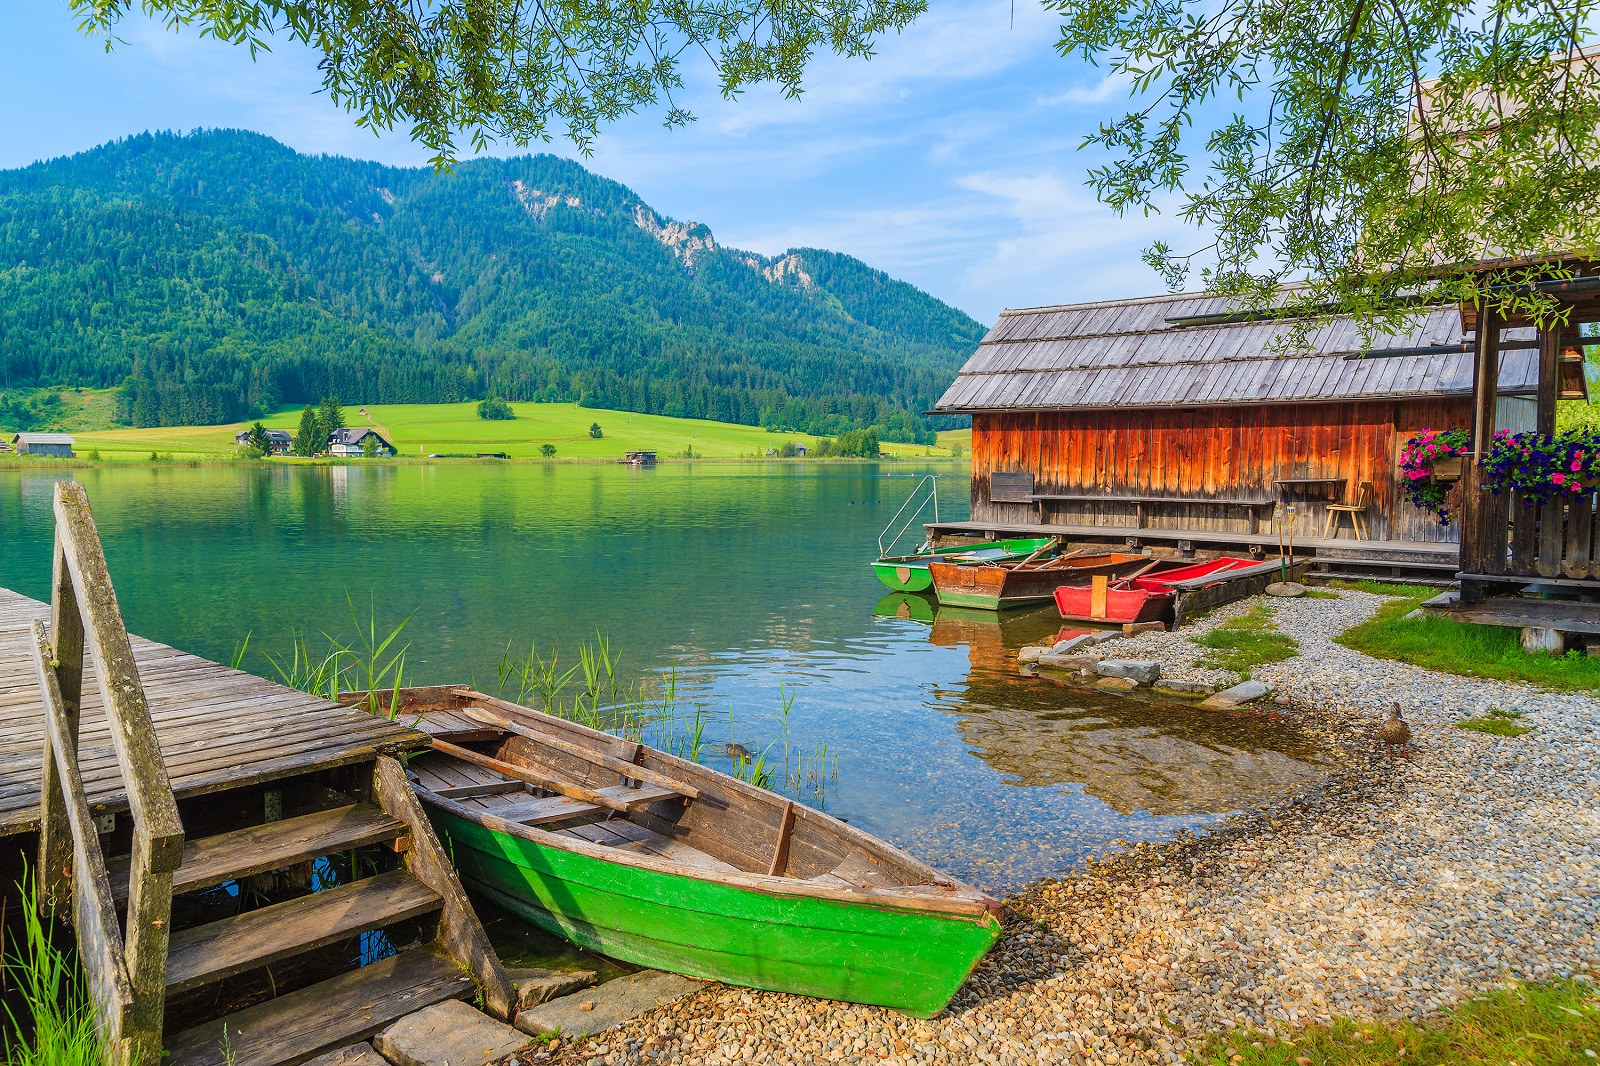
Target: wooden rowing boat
{"type": "Point", "coordinates": [658, 861]}
{"type": "Point", "coordinates": [999, 585]}
{"type": "Point", "coordinates": [1144, 597]}
{"type": "Point", "coordinates": [909, 573]}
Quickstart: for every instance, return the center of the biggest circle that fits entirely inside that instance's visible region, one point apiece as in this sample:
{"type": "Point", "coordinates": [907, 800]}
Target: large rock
{"type": "Point", "coordinates": [354, 1055]}
{"type": "Point", "coordinates": [451, 1033]}
{"type": "Point", "coordinates": [1117, 684]}
{"type": "Point", "coordinates": [1031, 653]}
{"type": "Point", "coordinates": [1144, 671]}
{"type": "Point", "coordinates": [1071, 644]}
{"type": "Point", "coordinates": [1240, 694]}
{"type": "Point", "coordinates": [609, 1005]}
{"type": "Point", "coordinates": [535, 986]}
{"type": "Point", "coordinates": [1078, 661]}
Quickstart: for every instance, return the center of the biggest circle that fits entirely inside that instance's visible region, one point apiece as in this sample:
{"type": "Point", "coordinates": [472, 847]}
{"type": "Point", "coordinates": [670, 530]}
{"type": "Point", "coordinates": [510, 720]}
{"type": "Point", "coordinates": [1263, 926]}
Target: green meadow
{"type": "Point", "coordinates": [420, 430]}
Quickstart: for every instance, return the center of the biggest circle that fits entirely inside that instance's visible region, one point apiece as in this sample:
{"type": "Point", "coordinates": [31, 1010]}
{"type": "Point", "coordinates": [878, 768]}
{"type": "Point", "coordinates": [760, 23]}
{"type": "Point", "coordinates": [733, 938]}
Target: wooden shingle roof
{"type": "Point", "coordinates": [1131, 353]}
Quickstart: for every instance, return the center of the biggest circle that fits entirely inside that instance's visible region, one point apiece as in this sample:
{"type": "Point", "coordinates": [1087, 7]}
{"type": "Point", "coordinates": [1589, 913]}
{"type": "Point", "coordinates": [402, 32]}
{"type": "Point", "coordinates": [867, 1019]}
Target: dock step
{"type": "Point", "coordinates": [257, 938]}
{"type": "Point", "coordinates": [257, 849]}
{"type": "Point", "coordinates": [323, 1017]}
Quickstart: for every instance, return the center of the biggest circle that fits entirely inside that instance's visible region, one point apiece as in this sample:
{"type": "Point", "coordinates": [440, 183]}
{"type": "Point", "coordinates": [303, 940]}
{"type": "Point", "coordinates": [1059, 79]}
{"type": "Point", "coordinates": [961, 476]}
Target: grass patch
{"type": "Point", "coordinates": [1497, 723]}
{"type": "Point", "coordinates": [1248, 641]}
{"type": "Point", "coordinates": [56, 1028]}
{"type": "Point", "coordinates": [1384, 588]}
{"type": "Point", "coordinates": [1321, 594]}
{"type": "Point", "coordinates": [1554, 1024]}
{"type": "Point", "coordinates": [1462, 648]}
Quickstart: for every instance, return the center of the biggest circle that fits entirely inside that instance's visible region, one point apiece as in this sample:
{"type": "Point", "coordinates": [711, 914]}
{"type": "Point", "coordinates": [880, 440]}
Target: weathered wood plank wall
{"type": "Point", "coordinates": [1228, 452]}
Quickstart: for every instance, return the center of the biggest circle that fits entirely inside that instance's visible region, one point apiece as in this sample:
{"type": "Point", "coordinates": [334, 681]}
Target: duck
{"type": "Point", "coordinates": [1395, 733]}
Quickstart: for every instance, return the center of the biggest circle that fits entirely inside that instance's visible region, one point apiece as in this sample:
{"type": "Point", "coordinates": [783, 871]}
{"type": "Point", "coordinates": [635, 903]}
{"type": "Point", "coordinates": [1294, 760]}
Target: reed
{"type": "Point", "coordinates": [58, 1027]}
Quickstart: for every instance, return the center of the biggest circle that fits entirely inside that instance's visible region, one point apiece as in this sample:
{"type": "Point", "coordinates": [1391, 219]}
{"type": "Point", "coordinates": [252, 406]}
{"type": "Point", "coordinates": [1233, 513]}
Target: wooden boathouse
{"type": "Point", "coordinates": [1184, 425]}
{"type": "Point", "coordinates": [153, 792]}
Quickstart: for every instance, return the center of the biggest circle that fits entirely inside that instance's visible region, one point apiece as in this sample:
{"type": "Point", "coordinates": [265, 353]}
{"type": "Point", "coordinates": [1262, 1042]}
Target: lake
{"type": "Point", "coordinates": [746, 583]}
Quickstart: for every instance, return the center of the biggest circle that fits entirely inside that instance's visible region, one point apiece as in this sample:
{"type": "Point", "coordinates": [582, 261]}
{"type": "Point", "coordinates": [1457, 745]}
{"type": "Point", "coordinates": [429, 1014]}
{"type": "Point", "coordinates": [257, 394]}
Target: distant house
{"type": "Point", "coordinates": [56, 444]}
{"type": "Point", "coordinates": [351, 443]}
{"type": "Point", "coordinates": [639, 459]}
{"type": "Point", "coordinates": [279, 441]}
{"type": "Point", "coordinates": [800, 449]}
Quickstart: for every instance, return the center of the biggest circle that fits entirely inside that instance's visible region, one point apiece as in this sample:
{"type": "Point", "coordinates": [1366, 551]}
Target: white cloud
{"type": "Point", "coordinates": [1112, 86]}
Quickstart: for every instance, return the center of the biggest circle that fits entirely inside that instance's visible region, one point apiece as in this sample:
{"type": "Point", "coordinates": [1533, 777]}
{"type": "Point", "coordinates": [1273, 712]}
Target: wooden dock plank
{"type": "Point", "coordinates": [217, 727]}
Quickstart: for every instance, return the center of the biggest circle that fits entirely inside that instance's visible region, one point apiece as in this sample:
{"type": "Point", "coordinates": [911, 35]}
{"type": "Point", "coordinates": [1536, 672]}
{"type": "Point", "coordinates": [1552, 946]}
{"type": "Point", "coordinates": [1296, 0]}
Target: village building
{"type": "Point", "coordinates": [54, 444]}
{"type": "Point", "coordinates": [351, 443]}
{"type": "Point", "coordinates": [1180, 423]}
{"type": "Point", "coordinates": [279, 441]}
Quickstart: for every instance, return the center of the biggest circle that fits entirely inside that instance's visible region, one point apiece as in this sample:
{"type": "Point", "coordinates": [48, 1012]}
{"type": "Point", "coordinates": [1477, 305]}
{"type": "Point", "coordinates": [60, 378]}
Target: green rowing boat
{"type": "Point", "coordinates": [909, 573]}
{"type": "Point", "coordinates": [658, 861]}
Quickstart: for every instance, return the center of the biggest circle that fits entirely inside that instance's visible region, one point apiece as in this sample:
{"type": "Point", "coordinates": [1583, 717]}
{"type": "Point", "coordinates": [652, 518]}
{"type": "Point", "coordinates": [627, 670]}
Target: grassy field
{"type": "Point", "coordinates": [1457, 647]}
{"type": "Point", "coordinates": [1555, 1024]}
{"type": "Point", "coordinates": [417, 430]}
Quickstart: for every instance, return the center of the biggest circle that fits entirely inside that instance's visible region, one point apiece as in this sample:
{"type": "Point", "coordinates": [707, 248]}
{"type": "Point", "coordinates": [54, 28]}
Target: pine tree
{"type": "Point", "coordinates": [330, 416]}
{"type": "Point", "coordinates": [309, 439]}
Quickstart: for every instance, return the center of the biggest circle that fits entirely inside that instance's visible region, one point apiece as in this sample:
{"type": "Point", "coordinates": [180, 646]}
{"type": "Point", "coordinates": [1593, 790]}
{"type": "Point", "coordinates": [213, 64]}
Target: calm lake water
{"type": "Point", "coordinates": [746, 581]}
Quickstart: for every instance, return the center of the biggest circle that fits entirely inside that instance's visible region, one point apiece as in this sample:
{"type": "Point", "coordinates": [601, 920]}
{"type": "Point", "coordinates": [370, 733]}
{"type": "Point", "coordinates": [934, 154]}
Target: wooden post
{"type": "Point", "coordinates": [66, 661]}
{"type": "Point", "coordinates": [1477, 540]}
{"type": "Point", "coordinates": [1549, 379]}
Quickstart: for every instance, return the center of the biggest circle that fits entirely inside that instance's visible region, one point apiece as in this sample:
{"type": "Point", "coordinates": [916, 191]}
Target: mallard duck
{"type": "Point", "coordinates": [1395, 733]}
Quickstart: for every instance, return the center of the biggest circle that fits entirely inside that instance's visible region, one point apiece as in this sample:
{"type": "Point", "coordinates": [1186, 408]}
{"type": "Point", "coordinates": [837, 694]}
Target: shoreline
{"type": "Point", "coordinates": [1387, 891]}
{"type": "Point", "coordinates": [14, 462]}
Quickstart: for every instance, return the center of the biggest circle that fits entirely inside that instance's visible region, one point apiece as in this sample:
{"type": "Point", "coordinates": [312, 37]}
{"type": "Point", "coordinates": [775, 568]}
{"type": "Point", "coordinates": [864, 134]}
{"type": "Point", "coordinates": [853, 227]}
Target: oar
{"type": "Point", "coordinates": [1054, 542]}
{"type": "Point", "coordinates": [532, 777]}
{"type": "Point", "coordinates": [578, 751]}
{"type": "Point", "coordinates": [1048, 563]}
{"type": "Point", "coordinates": [1139, 572]}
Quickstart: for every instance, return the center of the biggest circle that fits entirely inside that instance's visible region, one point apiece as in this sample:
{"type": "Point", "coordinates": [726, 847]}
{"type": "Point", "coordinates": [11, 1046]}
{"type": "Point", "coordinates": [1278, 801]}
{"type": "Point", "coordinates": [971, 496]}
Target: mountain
{"type": "Point", "coordinates": [220, 274]}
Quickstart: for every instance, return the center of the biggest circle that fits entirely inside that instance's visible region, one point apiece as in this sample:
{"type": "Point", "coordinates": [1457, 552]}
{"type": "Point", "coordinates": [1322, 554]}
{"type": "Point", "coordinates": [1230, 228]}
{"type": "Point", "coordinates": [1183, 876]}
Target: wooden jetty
{"type": "Point", "coordinates": [148, 773]}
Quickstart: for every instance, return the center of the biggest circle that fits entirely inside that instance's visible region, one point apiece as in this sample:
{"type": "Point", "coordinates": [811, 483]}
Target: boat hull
{"type": "Point", "coordinates": [909, 573]}
{"type": "Point", "coordinates": [910, 960]}
{"type": "Point", "coordinates": [994, 588]}
{"type": "Point", "coordinates": [1123, 606]}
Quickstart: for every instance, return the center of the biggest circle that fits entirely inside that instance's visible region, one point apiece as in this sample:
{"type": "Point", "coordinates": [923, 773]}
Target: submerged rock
{"type": "Point", "coordinates": [1140, 671]}
{"type": "Point", "coordinates": [1240, 694]}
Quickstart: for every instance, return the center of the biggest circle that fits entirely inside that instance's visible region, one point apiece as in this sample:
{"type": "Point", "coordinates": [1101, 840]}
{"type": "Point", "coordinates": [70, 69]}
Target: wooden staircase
{"type": "Point", "coordinates": [353, 874]}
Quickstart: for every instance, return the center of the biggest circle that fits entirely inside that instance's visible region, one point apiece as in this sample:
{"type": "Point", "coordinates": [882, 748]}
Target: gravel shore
{"type": "Point", "coordinates": [1392, 891]}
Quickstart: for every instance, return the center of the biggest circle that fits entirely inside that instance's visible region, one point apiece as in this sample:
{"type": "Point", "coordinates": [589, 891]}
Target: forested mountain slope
{"type": "Point", "coordinates": [220, 274]}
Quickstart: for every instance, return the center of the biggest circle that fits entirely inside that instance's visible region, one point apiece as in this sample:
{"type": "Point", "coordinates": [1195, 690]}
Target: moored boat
{"type": "Point", "coordinates": [998, 585]}
{"type": "Point", "coordinates": [909, 573]}
{"type": "Point", "coordinates": [1144, 597]}
{"type": "Point", "coordinates": [659, 861]}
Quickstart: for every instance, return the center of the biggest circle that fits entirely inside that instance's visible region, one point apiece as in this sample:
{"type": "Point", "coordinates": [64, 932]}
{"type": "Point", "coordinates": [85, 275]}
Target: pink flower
{"type": "Point", "coordinates": [1576, 466]}
{"type": "Point", "coordinates": [1558, 478]}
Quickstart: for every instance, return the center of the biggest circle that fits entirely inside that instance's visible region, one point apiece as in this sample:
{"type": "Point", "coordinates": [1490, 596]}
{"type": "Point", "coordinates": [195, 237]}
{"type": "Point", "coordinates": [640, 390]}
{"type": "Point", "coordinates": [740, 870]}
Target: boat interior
{"type": "Point", "coordinates": [556, 782]}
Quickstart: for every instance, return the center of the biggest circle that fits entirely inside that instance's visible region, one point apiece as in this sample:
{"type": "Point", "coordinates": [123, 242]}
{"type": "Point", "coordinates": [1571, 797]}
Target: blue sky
{"type": "Point", "coordinates": [949, 160]}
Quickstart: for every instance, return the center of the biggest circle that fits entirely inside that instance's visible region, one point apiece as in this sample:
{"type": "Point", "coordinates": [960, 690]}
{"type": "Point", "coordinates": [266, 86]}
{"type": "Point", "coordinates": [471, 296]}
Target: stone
{"type": "Point", "coordinates": [1544, 641]}
{"type": "Point", "coordinates": [1072, 644]}
{"type": "Point", "coordinates": [1281, 701]}
{"type": "Point", "coordinates": [360, 1054]}
{"type": "Point", "coordinates": [1143, 671]}
{"type": "Point", "coordinates": [1242, 693]}
{"type": "Point", "coordinates": [1117, 683]}
{"type": "Point", "coordinates": [535, 986]}
{"type": "Point", "coordinates": [1131, 628]}
{"type": "Point", "coordinates": [451, 1033]}
{"type": "Point", "coordinates": [1286, 589]}
{"type": "Point", "coordinates": [1184, 688]}
{"type": "Point", "coordinates": [1105, 635]}
{"type": "Point", "coordinates": [1080, 661]}
{"type": "Point", "coordinates": [1412, 616]}
{"type": "Point", "coordinates": [610, 1004]}
{"type": "Point", "coordinates": [1030, 653]}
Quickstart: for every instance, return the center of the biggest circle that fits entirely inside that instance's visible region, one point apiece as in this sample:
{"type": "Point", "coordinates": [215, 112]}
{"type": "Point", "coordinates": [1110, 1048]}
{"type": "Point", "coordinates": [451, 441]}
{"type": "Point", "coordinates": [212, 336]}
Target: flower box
{"type": "Point", "coordinates": [1446, 470]}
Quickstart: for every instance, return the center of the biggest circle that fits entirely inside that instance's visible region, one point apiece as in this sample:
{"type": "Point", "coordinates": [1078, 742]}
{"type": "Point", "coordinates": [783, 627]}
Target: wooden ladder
{"type": "Point", "coordinates": [141, 971]}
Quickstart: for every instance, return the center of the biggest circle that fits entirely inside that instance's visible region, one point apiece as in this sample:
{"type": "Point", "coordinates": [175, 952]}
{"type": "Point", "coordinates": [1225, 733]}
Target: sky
{"type": "Point", "coordinates": [949, 160]}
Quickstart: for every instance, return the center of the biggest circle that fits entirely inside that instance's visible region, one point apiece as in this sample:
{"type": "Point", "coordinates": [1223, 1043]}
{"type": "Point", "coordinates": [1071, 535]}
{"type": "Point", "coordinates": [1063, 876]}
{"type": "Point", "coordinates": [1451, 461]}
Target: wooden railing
{"type": "Point", "coordinates": [126, 974]}
{"type": "Point", "coordinates": [1507, 537]}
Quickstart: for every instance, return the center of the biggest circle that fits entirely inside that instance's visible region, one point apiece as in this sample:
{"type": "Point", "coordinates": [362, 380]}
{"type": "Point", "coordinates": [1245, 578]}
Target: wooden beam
{"type": "Point", "coordinates": [1476, 540]}
{"type": "Point", "coordinates": [1549, 379]}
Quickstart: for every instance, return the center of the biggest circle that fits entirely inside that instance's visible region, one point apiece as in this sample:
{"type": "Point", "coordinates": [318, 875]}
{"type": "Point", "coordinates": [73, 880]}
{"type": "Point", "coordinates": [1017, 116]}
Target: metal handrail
{"type": "Point", "coordinates": [931, 480]}
{"type": "Point", "coordinates": [127, 972]}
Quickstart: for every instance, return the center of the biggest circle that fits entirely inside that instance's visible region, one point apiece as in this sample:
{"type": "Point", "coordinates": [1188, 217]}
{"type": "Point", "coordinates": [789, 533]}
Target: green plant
{"type": "Point", "coordinates": [368, 666]}
{"type": "Point", "coordinates": [1555, 1024]}
{"type": "Point", "coordinates": [304, 671]}
{"type": "Point", "coordinates": [60, 1028]}
{"type": "Point", "coordinates": [494, 409]}
{"type": "Point", "coordinates": [547, 450]}
{"type": "Point", "coordinates": [1321, 594]}
{"type": "Point", "coordinates": [1496, 723]}
{"type": "Point", "coordinates": [1244, 642]}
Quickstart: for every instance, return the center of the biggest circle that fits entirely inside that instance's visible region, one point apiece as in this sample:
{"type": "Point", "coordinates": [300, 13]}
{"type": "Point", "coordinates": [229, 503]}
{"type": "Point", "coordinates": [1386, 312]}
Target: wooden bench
{"type": "Point", "coordinates": [1142, 504]}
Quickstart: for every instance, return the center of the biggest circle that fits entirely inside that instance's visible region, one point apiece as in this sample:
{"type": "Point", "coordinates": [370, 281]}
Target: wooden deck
{"type": "Point", "coordinates": [218, 728]}
{"type": "Point", "coordinates": [1433, 558]}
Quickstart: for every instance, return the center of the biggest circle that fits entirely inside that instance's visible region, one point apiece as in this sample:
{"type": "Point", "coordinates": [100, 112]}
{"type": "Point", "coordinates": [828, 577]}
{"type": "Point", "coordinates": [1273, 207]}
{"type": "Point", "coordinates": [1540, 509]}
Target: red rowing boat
{"type": "Point", "coordinates": [1146, 597]}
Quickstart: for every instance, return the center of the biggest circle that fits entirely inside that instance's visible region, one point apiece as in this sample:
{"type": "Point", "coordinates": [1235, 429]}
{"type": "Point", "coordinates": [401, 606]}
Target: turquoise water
{"type": "Point", "coordinates": [745, 582]}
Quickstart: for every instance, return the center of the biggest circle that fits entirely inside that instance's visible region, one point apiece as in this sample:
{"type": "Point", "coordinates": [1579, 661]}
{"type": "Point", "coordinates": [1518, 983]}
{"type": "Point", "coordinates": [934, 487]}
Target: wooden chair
{"type": "Point", "coordinates": [1357, 512]}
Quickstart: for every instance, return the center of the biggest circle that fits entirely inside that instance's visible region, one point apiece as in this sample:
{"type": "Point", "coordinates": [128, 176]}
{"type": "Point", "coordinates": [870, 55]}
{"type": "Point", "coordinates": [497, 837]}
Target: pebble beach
{"type": "Point", "coordinates": [1388, 890]}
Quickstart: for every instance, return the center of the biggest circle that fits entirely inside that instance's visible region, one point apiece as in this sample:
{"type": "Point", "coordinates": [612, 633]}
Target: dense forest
{"type": "Point", "coordinates": [219, 275]}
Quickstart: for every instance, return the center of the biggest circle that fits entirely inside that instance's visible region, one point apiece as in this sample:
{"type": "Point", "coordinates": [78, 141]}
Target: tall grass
{"type": "Point", "coordinates": [368, 665]}
{"type": "Point", "coordinates": [59, 1029]}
